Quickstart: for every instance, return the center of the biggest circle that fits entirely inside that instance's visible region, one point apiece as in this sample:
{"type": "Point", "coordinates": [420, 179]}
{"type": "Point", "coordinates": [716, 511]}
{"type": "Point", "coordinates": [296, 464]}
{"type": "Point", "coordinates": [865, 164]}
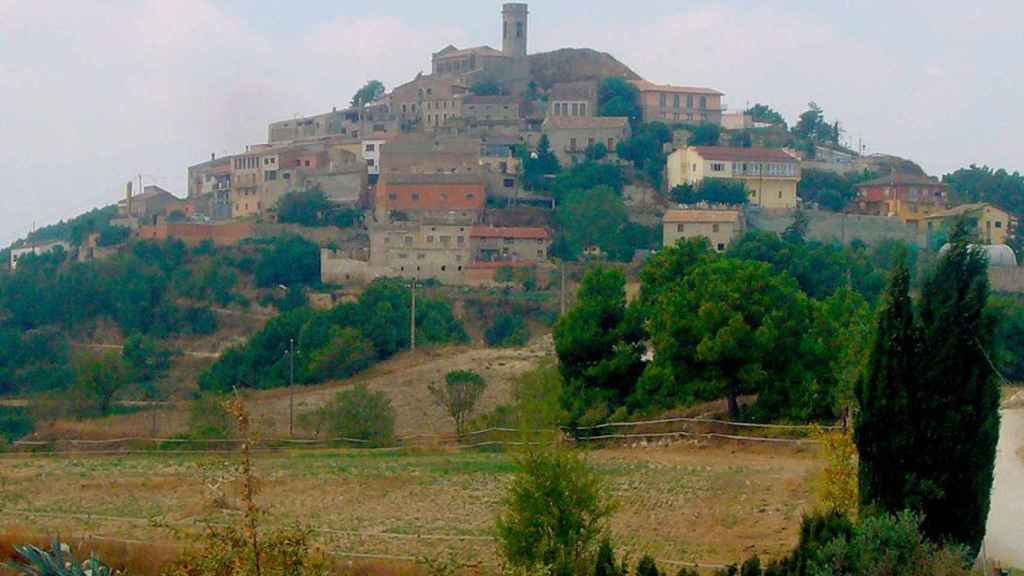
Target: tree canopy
{"type": "Point", "coordinates": [368, 93]}
{"type": "Point", "coordinates": [712, 191]}
{"type": "Point", "coordinates": [619, 98]}
{"type": "Point", "coordinates": [765, 113]}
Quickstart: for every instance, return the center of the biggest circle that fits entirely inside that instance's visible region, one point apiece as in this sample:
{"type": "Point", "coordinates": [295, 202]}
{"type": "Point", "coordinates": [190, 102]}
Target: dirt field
{"type": "Point", "coordinates": [684, 502]}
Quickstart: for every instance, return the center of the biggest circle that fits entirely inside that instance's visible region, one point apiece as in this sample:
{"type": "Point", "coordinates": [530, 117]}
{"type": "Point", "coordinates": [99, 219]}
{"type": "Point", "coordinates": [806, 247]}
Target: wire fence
{"type": "Point", "coordinates": [663, 429]}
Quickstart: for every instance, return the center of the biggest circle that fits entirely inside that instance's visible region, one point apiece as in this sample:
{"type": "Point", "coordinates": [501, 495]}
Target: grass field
{"type": "Point", "coordinates": [708, 504]}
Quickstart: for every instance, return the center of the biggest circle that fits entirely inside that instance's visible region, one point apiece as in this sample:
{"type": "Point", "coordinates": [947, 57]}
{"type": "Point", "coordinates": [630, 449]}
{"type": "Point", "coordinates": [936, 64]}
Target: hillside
{"type": "Point", "coordinates": [575, 65]}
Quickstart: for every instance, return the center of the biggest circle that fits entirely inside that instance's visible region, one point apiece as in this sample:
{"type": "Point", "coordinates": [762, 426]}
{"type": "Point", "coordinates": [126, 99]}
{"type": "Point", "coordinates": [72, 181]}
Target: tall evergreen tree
{"type": "Point", "coordinates": [929, 420]}
{"type": "Point", "coordinates": [886, 426]}
{"type": "Point", "coordinates": [959, 397]}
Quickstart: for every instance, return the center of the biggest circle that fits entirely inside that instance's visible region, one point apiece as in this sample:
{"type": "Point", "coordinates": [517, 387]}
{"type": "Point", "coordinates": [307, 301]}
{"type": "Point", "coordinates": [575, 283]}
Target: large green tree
{"type": "Point", "coordinates": [618, 97]}
{"type": "Point", "coordinates": [730, 328]}
{"type": "Point", "coordinates": [599, 345]}
{"type": "Point", "coordinates": [929, 419]}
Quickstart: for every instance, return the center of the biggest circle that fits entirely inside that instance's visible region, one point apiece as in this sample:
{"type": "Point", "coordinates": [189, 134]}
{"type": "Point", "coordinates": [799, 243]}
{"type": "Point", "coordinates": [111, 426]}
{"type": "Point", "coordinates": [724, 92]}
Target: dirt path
{"type": "Point", "coordinates": [1005, 535]}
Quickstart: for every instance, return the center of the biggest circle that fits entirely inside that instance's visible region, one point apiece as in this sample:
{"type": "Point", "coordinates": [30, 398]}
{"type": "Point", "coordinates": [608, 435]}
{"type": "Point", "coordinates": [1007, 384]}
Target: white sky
{"type": "Point", "coordinates": [93, 93]}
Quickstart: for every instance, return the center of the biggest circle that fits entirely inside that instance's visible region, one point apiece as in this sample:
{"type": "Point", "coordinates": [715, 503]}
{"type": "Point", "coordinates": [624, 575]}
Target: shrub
{"type": "Point", "coordinates": [507, 330]}
{"type": "Point", "coordinates": [208, 418]}
{"type": "Point", "coordinates": [554, 514]}
{"type": "Point", "coordinates": [606, 564]}
{"type": "Point", "coordinates": [199, 321]}
{"type": "Point", "coordinates": [291, 260]}
{"type": "Point", "coordinates": [648, 567]}
{"type": "Point", "coordinates": [58, 561]}
{"type": "Point", "coordinates": [15, 423]}
{"type": "Point", "coordinates": [347, 353]}
{"type": "Point", "coordinates": [361, 414]}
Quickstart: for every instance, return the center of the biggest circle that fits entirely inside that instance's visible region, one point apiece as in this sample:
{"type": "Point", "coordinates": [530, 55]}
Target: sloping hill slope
{"type": "Point", "coordinates": [575, 65]}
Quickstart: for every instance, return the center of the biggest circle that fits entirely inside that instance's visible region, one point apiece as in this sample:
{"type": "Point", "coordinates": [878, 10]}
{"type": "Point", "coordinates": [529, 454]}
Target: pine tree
{"type": "Point", "coordinates": [886, 426]}
{"type": "Point", "coordinates": [960, 397]}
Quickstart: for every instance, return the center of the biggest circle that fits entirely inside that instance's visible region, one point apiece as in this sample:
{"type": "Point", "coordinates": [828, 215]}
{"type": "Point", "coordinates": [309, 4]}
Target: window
{"type": "Point", "coordinates": [540, 253]}
{"type": "Point", "coordinates": [611, 144]}
{"type": "Point", "coordinates": [703, 102]}
{"type": "Point", "coordinates": [780, 194]}
{"type": "Point", "coordinates": [714, 227]}
{"type": "Point", "coordinates": [403, 256]}
{"type": "Point", "coordinates": [583, 109]}
{"type": "Point", "coordinates": [675, 101]}
{"type": "Point", "coordinates": [662, 100]}
{"type": "Point", "coordinates": [575, 109]}
{"type": "Point", "coordinates": [509, 182]}
{"type": "Point", "coordinates": [509, 241]}
{"type": "Point", "coordinates": [307, 163]}
{"type": "Point", "coordinates": [721, 247]}
{"type": "Point", "coordinates": [680, 227]}
{"type": "Point", "coordinates": [470, 195]}
{"type": "Point", "coordinates": [999, 224]}
{"type": "Point", "coordinates": [689, 101]}
{"type": "Point", "coordinates": [371, 147]}
{"type": "Point", "coordinates": [270, 174]}
{"type": "Point", "coordinates": [461, 240]}
{"type": "Point", "coordinates": [392, 196]}
{"type": "Point", "coordinates": [415, 196]}
{"type": "Point", "coordinates": [421, 256]}
{"type": "Point", "coordinates": [572, 143]}
{"type": "Point", "coordinates": [430, 239]}
{"type": "Point", "coordinates": [408, 240]}
{"type": "Point", "coordinates": [371, 162]}
{"type": "Point", "coordinates": [443, 268]}
{"type": "Point", "coordinates": [519, 29]}
{"type": "Point", "coordinates": [717, 167]}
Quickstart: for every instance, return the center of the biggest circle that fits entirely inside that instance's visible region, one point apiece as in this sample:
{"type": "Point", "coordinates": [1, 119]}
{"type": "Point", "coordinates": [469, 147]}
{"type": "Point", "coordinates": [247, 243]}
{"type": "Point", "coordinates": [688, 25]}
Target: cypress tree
{"type": "Point", "coordinates": [959, 398]}
{"type": "Point", "coordinates": [886, 425]}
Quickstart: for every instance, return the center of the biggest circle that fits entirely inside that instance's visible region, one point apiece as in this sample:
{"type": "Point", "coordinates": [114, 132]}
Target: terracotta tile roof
{"type": "Point", "coordinates": [450, 51]}
{"type": "Point", "coordinates": [516, 232]}
{"type": "Point", "coordinates": [585, 122]}
{"type": "Point", "coordinates": [645, 86]}
{"type": "Point", "coordinates": [674, 216]}
{"type": "Point", "coordinates": [961, 210]}
{"type": "Point", "coordinates": [752, 154]}
{"type": "Point", "coordinates": [903, 179]}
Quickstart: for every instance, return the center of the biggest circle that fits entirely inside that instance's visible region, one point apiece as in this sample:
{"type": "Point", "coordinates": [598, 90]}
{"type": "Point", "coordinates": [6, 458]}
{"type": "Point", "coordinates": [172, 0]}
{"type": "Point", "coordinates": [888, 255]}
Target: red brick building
{"type": "Point", "coordinates": [430, 195]}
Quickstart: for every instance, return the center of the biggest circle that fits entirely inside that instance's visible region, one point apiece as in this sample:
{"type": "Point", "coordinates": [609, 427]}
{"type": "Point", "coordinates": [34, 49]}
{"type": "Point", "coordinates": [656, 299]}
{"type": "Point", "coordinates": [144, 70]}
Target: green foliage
{"type": "Point", "coordinates": [712, 191]}
{"type": "Point", "coordinates": [606, 565]}
{"type": "Point", "coordinates": [146, 358]}
{"type": "Point", "coordinates": [929, 418]}
{"type": "Point", "coordinates": [379, 319]}
{"type": "Point", "coordinates": [538, 165]}
{"type": "Point", "coordinates": [554, 514]}
{"type": "Point", "coordinates": [820, 269]}
{"type": "Point", "coordinates": [586, 176]}
{"type": "Point", "coordinates": [646, 150]}
{"type": "Point", "coordinates": [812, 127]}
{"type": "Point", "coordinates": [599, 344]}
{"type": "Point", "coordinates": [58, 561]}
{"type": "Point", "coordinates": [706, 134]}
{"type": "Point", "coordinates": [345, 354]}
{"type": "Point", "coordinates": [765, 113]}
{"type": "Point", "coordinates": [76, 229]}
{"type": "Point", "coordinates": [728, 328]}
{"type": "Point", "coordinates": [507, 330]}
{"type": "Point", "coordinates": [883, 544]}
{"type": "Point", "coordinates": [291, 260]}
{"type": "Point", "coordinates": [458, 396]}
{"type": "Point", "coordinates": [228, 551]}
{"type": "Point", "coordinates": [828, 189]}
{"type": "Point", "coordinates": [114, 235]}
{"type": "Point", "coordinates": [307, 207]}
{"type": "Point", "coordinates": [663, 270]}
{"type": "Point", "coordinates": [596, 217]}
{"type": "Point", "coordinates": [741, 139]}
{"type": "Point", "coordinates": [999, 187]}
{"type": "Point", "coordinates": [617, 97]}
{"type": "Point", "coordinates": [368, 93]}
{"type": "Point", "coordinates": [34, 361]}
{"type": "Point", "coordinates": [597, 152]}
{"type": "Point", "coordinates": [647, 567]}
{"type": "Point", "coordinates": [1009, 336]}
{"type": "Point", "coordinates": [15, 423]}
{"type": "Point", "coordinates": [98, 378]}
{"type": "Point", "coordinates": [360, 414]}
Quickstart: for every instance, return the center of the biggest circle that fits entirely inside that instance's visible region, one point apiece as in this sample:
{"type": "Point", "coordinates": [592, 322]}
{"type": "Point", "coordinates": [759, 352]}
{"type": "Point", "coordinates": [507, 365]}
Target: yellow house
{"type": "Point", "coordinates": [993, 223]}
{"type": "Point", "coordinates": [720, 227]}
{"type": "Point", "coordinates": [770, 174]}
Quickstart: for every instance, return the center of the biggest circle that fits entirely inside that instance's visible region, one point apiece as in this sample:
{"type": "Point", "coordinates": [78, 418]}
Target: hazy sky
{"type": "Point", "coordinates": [93, 93]}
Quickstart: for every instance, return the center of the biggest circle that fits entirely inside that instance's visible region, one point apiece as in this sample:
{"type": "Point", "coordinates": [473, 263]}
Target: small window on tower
{"type": "Point", "coordinates": [519, 29]}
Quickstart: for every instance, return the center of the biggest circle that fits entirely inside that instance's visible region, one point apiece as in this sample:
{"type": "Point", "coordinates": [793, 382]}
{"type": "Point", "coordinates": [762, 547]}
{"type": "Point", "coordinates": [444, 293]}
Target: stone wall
{"type": "Point", "coordinates": [830, 226]}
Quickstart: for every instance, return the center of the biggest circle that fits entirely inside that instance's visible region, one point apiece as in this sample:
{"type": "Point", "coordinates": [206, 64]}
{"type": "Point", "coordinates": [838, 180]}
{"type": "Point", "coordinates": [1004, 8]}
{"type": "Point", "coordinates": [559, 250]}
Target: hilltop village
{"type": "Point", "coordinates": [454, 174]}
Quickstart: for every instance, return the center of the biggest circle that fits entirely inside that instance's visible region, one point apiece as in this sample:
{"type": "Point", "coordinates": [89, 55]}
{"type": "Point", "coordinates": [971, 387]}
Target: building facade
{"type": "Point", "coordinates": [679, 104]}
{"type": "Point", "coordinates": [770, 175]}
{"type": "Point", "coordinates": [993, 224]}
{"type": "Point", "coordinates": [572, 99]}
{"type": "Point", "coordinates": [510, 244]}
{"type": "Point", "coordinates": [720, 227]}
{"type": "Point", "coordinates": [571, 136]}
{"type": "Point", "coordinates": [909, 197]}
{"type": "Point", "coordinates": [425, 196]}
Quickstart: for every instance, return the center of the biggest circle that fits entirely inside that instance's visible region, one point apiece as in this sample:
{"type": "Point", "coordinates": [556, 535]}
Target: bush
{"type": "Point", "coordinates": [607, 566]}
{"type": "Point", "coordinates": [507, 330]}
{"type": "Point", "coordinates": [459, 395]}
{"type": "Point", "coordinates": [648, 567]}
{"type": "Point", "coordinates": [346, 354]}
{"type": "Point", "coordinates": [361, 414]}
{"type": "Point", "coordinates": [554, 514]}
{"type": "Point", "coordinates": [15, 422]}
{"type": "Point", "coordinates": [305, 207]}
{"type": "Point", "coordinates": [199, 321]}
{"type": "Point", "coordinates": [208, 418]}
{"type": "Point", "coordinates": [291, 260]}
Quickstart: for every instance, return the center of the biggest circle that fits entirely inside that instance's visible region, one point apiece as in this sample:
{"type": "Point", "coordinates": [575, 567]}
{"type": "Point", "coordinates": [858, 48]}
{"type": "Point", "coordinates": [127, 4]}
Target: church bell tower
{"type": "Point", "coordinates": [514, 29]}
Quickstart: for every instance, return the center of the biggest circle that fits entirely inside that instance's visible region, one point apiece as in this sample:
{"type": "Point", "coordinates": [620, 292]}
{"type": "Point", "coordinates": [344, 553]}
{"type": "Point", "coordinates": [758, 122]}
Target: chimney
{"type": "Point", "coordinates": [213, 156]}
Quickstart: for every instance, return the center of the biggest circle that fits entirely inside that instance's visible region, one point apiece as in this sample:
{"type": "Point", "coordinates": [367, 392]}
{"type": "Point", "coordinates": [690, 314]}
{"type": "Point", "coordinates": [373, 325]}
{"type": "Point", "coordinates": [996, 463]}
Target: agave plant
{"type": "Point", "coordinates": [58, 561]}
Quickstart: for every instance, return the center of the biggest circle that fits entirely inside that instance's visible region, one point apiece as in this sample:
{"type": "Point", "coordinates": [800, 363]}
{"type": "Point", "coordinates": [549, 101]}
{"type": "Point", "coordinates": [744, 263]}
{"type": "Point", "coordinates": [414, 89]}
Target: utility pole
{"type": "Point", "coordinates": [412, 318]}
{"type": "Point", "coordinates": [291, 387]}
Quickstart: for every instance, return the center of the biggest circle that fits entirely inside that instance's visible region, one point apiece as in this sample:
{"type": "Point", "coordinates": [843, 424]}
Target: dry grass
{"type": "Point", "coordinates": [714, 504]}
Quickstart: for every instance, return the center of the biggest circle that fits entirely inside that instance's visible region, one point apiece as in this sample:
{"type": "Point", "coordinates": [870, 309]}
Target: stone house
{"type": "Point", "coordinates": [679, 104]}
{"type": "Point", "coordinates": [571, 136]}
{"type": "Point", "coordinates": [720, 227]}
